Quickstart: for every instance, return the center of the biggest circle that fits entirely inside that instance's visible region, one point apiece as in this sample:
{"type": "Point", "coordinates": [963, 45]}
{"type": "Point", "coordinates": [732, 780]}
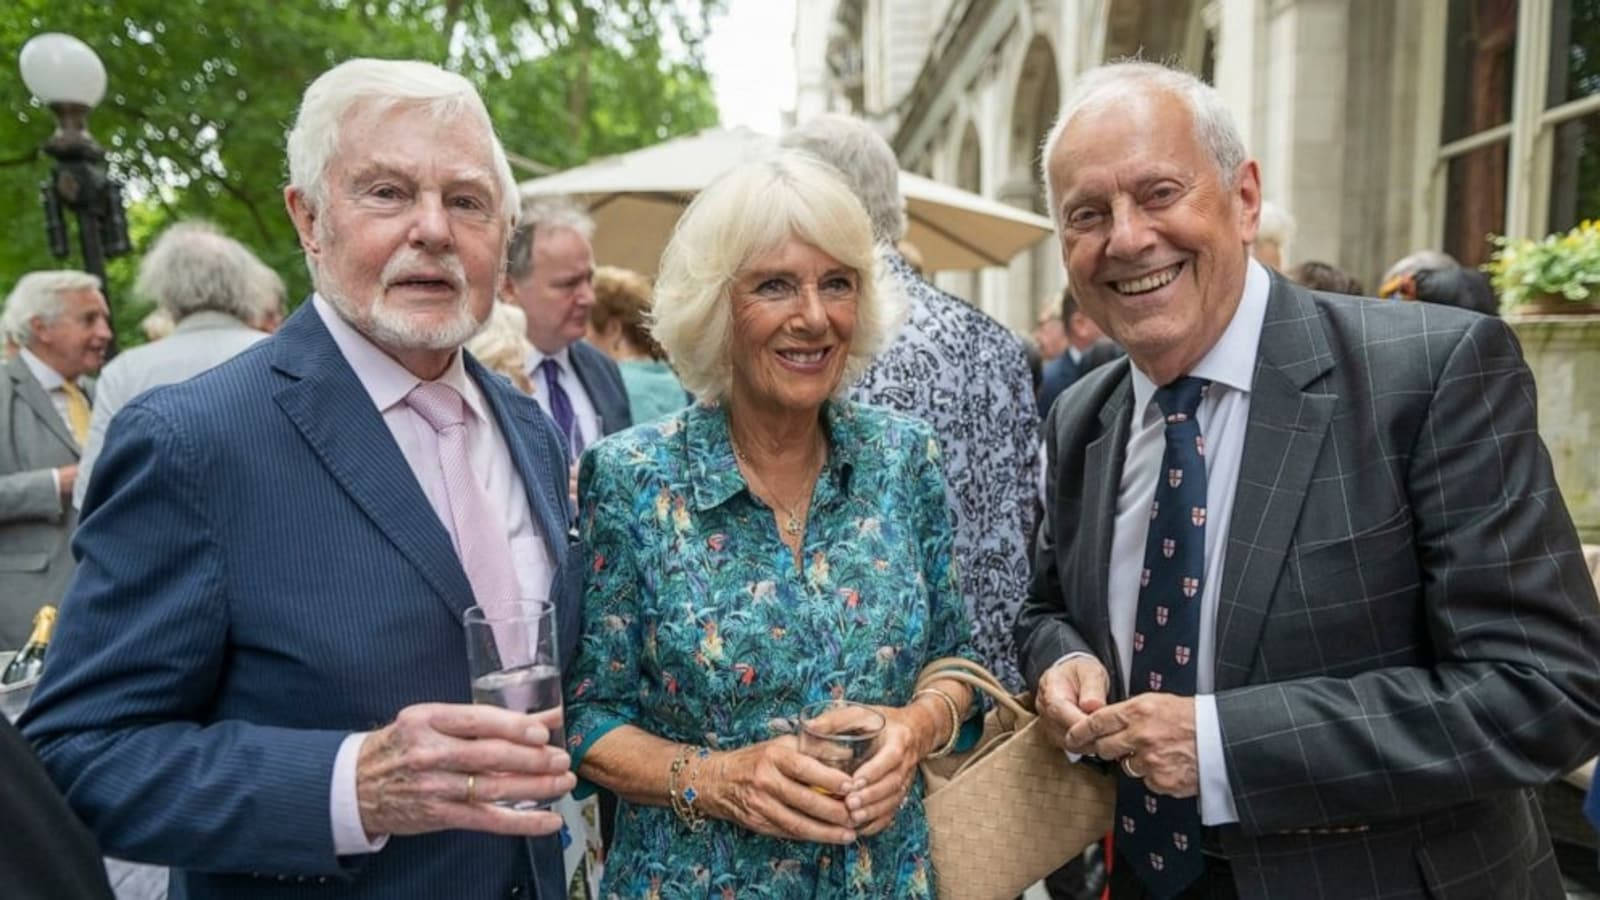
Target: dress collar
{"type": "Point", "coordinates": [714, 474]}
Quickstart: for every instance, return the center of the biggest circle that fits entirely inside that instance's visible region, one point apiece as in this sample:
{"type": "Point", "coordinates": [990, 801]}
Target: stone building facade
{"type": "Point", "coordinates": [1383, 126]}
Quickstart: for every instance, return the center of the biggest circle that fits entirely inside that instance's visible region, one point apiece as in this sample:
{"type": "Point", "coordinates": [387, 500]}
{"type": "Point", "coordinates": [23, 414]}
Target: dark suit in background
{"type": "Point", "coordinates": [1064, 371]}
{"type": "Point", "coordinates": [262, 575]}
{"type": "Point", "coordinates": [35, 525]}
{"type": "Point", "coordinates": [45, 852]}
{"type": "Point", "coordinates": [602, 381]}
{"type": "Point", "coordinates": [1407, 638]}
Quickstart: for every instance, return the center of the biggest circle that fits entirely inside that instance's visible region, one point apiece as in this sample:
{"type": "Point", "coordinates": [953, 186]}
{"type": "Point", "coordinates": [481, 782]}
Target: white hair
{"type": "Point", "coordinates": [194, 267]}
{"type": "Point", "coordinates": [753, 209]}
{"type": "Point", "coordinates": [502, 344]}
{"type": "Point", "coordinates": [1276, 224]}
{"type": "Point", "coordinates": [377, 85]}
{"type": "Point", "coordinates": [1214, 127]}
{"type": "Point", "coordinates": [867, 163]}
{"type": "Point", "coordinates": [42, 296]}
{"type": "Point", "coordinates": [543, 214]}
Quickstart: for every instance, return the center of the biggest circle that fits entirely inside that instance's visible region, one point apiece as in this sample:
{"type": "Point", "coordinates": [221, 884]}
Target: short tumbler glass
{"type": "Point", "coordinates": [839, 733]}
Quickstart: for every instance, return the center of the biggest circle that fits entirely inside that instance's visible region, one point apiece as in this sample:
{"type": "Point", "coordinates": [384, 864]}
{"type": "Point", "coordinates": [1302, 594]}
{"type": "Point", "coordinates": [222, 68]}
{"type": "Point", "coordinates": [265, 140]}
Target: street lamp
{"type": "Point", "coordinates": [67, 76]}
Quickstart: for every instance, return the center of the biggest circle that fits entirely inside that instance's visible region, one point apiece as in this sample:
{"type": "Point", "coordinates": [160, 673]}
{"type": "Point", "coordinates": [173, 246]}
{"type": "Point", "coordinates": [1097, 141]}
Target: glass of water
{"type": "Point", "coordinates": [511, 653]}
{"type": "Point", "coordinates": [839, 733]}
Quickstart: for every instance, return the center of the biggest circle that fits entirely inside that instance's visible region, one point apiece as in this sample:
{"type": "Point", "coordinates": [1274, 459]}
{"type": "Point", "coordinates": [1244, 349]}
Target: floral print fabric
{"type": "Point", "coordinates": [699, 628]}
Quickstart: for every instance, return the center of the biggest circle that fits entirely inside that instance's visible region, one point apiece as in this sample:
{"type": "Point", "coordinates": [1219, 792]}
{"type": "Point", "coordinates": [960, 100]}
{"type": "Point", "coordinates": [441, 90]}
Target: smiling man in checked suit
{"type": "Point", "coordinates": [1305, 573]}
{"type": "Point", "coordinates": [260, 676]}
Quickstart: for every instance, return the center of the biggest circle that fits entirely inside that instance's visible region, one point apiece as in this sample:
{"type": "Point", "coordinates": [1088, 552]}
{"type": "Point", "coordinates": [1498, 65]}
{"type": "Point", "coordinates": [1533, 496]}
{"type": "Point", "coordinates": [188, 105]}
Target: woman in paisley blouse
{"type": "Point", "coordinates": [770, 546]}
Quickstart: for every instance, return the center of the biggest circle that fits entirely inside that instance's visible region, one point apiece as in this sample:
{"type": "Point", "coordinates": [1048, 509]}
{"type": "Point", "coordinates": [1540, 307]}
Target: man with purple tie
{"type": "Point", "coordinates": [550, 274]}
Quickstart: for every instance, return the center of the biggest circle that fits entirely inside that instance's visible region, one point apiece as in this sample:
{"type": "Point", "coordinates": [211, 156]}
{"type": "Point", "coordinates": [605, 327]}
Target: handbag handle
{"type": "Point", "coordinates": [975, 676]}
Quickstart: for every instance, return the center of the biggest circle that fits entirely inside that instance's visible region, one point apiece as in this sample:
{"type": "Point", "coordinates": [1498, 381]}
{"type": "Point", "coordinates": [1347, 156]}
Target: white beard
{"type": "Point", "coordinates": [396, 328]}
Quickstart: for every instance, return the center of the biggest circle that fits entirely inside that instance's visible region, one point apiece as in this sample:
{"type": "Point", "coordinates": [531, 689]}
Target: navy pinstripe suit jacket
{"type": "Point", "coordinates": [1407, 637]}
{"type": "Point", "coordinates": [260, 575]}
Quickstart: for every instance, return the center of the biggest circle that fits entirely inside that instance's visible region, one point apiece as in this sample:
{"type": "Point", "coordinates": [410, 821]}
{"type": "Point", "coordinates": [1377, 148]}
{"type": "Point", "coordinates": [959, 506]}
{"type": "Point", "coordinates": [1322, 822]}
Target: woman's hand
{"type": "Point", "coordinates": [881, 784]}
{"type": "Point", "coordinates": [772, 788]}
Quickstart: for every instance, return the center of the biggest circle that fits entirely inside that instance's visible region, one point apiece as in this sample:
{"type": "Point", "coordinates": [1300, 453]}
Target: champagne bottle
{"type": "Point", "coordinates": [29, 661]}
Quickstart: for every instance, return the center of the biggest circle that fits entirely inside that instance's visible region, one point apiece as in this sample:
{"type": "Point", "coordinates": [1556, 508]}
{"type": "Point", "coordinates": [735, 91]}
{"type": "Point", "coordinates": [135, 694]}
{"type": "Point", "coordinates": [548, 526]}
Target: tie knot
{"type": "Point", "coordinates": [439, 404]}
{"type": "Point", "coordinates": [1181, 398]}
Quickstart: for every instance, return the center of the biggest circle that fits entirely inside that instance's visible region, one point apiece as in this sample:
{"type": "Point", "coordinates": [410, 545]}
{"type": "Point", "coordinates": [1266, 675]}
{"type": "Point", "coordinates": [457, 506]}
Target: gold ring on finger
{"type": "Point", "coordinates": [1127, 767]}
{"type": "Point", "coordinates": [472, 788]}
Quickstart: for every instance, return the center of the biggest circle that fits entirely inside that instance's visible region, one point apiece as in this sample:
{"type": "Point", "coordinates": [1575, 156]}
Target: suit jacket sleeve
{"type": "Point", "coordinates": [30, 495]}
{"type": "Point", "coordinates": [124, 719]}
{"type": "Point", "coordinates": [1513, 695]}
{"type": "Point", "coordinates": [1044, 633]}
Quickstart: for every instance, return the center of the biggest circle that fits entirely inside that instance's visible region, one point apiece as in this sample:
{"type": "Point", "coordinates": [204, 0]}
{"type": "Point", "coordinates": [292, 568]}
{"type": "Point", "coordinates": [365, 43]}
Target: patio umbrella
{"type": "Point", "coordinates": [637, 197]}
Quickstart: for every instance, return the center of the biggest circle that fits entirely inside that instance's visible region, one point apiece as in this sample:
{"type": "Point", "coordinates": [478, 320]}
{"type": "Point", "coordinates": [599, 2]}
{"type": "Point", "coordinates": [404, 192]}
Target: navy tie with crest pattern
{"type": "Point", "coordinates": [1159, 836]}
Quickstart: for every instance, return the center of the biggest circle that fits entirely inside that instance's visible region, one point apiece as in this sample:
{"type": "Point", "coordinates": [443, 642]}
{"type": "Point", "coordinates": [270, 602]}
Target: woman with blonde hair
{"type": "Point", "coordinates": [619, 325]}
{"type": "Point", "coordinates": [502, 344]}
{"type": "Point", "coordinates": [772, 546]}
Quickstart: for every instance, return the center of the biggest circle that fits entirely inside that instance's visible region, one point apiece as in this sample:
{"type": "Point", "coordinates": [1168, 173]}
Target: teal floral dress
{"type": "Point", "coordinates": [698, 628]}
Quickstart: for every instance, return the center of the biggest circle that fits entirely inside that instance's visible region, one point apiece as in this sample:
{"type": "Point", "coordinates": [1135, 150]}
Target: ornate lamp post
{"type": "Point", "coordinates": [68, 77]}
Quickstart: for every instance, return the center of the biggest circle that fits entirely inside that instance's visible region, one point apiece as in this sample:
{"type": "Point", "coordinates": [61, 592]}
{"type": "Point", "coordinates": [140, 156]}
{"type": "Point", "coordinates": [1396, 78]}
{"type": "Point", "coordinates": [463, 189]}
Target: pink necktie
{"type": "Point", "coordinates": [480, 535]}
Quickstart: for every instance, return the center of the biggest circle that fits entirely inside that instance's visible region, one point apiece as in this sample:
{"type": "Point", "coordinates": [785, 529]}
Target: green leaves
{"type": "Point", "coordinates": [200, 95]}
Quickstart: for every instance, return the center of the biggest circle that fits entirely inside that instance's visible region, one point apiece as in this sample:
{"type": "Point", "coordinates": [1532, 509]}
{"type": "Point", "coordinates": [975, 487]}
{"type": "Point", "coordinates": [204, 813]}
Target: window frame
{"type": "Point", "coordinates": [1530, 134]}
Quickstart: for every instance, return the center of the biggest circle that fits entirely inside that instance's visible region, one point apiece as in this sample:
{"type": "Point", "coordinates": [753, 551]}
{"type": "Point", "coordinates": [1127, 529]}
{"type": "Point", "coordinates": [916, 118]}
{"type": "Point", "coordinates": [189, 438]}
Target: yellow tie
{"type": "Point", "coordinates": [77, 412]}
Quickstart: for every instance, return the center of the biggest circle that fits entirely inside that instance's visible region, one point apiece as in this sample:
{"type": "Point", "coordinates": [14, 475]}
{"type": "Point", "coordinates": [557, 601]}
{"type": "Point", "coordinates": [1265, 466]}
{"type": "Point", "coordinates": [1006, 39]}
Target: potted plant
{"type": "Point", "coordinates": [1559, 274]}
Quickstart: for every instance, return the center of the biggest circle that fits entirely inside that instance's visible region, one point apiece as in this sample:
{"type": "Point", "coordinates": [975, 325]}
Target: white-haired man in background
{"type": "Point", "coordinates": [61, 325]}
{"type": "Point", "coordinates": [222, 300]}
{"type": "Point", "coordinates": [260, 677]}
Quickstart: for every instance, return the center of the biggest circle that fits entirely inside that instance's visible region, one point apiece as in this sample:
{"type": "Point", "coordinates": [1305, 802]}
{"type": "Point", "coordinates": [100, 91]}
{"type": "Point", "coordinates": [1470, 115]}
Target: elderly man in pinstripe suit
{"type": "Point", "coordinates": [1305, 574]}
{"type": "Point", "coordinates": [260, 678]}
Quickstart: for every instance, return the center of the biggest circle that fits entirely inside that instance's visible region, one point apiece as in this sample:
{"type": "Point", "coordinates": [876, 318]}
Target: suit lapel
{"type": "Point", "coordinates": [597, 387]}
{"type": "Point", "coordinates": [32, 393]}
{"type": "Point", "coordinates": [1287, 426]}
{"type": "Point", "coordinates": [1103, 460]}
{"type": "Point", "coordinates": [327, 403]}
{"type": "Point", "coordinates": [518, 418]}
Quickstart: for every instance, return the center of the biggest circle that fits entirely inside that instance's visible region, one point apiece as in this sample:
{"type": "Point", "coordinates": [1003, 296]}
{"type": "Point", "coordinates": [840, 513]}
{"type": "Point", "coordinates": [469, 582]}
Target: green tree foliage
{"type": "Point", "coordinates": [201, 92]}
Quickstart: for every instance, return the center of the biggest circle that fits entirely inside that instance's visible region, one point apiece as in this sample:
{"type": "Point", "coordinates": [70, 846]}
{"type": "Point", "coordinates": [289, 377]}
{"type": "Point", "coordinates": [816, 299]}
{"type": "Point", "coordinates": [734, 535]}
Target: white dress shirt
{"type": "Point", "coordinates": [1223, 416]}
{"type": "Point", "coordinates": [387, 383]}
{"type": "Point", "coordinates": [51, 381]}
{"type": "Point", "coordinates": [583, 410]}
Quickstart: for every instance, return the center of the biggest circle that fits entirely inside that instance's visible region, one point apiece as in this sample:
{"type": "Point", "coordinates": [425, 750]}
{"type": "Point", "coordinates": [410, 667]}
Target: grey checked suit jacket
{"type": "Point", "coordinates": [35, 526]}
{"type": "Point", "coordinates": [1407, 639]}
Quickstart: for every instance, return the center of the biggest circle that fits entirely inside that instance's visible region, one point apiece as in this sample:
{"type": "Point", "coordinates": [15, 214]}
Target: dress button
{"type": "Point", "coordinates": [517, 892]}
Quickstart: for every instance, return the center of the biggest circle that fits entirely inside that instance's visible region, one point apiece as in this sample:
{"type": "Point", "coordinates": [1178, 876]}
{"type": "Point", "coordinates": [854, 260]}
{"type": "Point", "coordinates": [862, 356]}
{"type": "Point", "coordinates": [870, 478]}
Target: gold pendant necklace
{"type": "Point", "coordinates": [794, 525]}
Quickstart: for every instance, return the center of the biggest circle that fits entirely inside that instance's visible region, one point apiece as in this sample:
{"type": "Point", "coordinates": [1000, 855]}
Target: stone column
{"type": "Point", "coordinates": [1564, 354]}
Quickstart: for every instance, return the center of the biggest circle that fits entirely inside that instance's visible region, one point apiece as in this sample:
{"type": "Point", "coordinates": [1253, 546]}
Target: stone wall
{"type": "Point", "coordinates": [1564, 354]}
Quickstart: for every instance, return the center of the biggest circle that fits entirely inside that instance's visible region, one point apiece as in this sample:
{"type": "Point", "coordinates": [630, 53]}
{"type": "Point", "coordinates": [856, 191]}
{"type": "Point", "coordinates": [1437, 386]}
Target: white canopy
{"type": "Point", "coordinates": [636, 199]}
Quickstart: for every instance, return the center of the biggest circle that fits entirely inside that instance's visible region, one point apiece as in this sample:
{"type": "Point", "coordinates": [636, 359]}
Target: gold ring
{"type": "Point", "coordinates": [1127, 767]}
{"type": "Point", "coordinates": [472, 788]}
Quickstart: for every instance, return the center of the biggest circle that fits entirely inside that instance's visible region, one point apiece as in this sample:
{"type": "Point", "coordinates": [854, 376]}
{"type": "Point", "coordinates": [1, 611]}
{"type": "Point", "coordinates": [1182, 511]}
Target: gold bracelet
{"type": "Point", "coordinates": [955, 720]}
{"type": "Point", "coordinates": [682, 801]}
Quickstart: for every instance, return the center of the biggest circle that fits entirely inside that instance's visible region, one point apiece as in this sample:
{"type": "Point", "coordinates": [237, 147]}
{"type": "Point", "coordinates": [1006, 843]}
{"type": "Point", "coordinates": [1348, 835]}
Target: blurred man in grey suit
{"type": "Point", "coordinates": [223, 300]}
{"type": "Point", "coordinates": [1305, 574]}
{"type": "Point", "coordinates": [62, 325]}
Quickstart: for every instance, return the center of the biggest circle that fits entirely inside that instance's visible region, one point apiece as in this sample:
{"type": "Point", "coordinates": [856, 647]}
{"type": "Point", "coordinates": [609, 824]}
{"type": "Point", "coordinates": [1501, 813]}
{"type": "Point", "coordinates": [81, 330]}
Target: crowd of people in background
{"type": "Point", "coordinates": [788, 469]}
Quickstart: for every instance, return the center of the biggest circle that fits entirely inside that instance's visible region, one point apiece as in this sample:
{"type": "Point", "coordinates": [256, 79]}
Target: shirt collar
{"type": "Point", "coordinates": [209, 320]}
{"type": "Point", "coordinates": [714, 474]}
{"type": "Point", "coordinates": [48, 378]}
{"type": "Point", "coordinates": [563, 358]}
{"type": "Point", "coordinates": [1231, 361]}
{"type": "Point", "coordinates": [384, 379]}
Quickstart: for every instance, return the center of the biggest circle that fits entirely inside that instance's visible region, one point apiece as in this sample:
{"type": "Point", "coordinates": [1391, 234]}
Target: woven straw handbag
{"type": "Point", "coordinates": [1013, 809]}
